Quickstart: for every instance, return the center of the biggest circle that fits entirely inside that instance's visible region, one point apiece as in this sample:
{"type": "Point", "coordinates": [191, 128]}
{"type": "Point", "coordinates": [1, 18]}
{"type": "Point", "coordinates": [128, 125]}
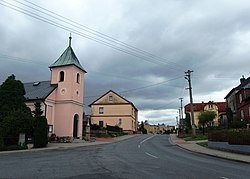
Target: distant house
{"type": "Point", "coordinates": [61, 97]}
{"type": "Point", "coordinates": [231, 97]}
{"type": "Point", "coordinates": [218, 107]}
{"type": "Point", "coordinates": [114, 110]}
{"type": "Point", "coordinates": [158, 129]}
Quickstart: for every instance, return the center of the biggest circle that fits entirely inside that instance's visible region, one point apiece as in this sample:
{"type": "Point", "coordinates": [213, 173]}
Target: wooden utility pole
{"type": "Point", "coordinates": [181, 111]}
{"type": "Point", "coordinates": [188, 77]}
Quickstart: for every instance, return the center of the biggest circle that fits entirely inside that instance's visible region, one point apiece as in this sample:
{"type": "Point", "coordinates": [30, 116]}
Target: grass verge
{"type": "Point", "coordinates": [204, 137]}
{"type": "Point", "coordinates": [203, 144]}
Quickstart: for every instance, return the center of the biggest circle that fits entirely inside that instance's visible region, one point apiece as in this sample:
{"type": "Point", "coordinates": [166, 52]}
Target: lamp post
{"type": "Point", "coordinates": [88, 129]}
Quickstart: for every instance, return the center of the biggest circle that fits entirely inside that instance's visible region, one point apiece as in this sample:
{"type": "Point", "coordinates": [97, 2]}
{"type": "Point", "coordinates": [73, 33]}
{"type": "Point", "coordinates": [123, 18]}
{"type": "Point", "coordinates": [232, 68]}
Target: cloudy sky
{"type": "Point", "coordinates": [140, 49]}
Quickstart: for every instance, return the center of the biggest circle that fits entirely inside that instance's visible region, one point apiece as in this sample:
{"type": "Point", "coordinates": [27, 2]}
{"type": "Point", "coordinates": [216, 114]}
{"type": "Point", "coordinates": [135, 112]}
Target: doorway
{"type": "Point", "coordinates": [75, 125]}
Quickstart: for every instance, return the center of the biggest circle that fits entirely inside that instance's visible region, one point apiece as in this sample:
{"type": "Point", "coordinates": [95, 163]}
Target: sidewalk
{"type": "Point", "coordinates": [79, 143]}
{"type": "Point", "coordinates": [193, 147]}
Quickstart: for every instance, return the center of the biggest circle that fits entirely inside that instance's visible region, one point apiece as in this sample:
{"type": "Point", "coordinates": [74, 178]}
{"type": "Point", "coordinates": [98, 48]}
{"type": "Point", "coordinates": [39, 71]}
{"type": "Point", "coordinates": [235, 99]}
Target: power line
{"type": "Point", "coordinates": [94, 32]}
{"type": "Point", "coordinates": [140, 88]}
{"type": "Point", "coordinates": [4, 56]}
{"type": "Point", "coordinates": [142, 55]}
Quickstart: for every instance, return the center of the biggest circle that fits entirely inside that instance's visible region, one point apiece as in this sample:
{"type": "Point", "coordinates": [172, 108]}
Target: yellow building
{"type": "Point", "coordinates": [218, 107]}
{"type": "Point", "coordinates": [157, 129]}
{"type": "Point", "coordinates": [114, 110]}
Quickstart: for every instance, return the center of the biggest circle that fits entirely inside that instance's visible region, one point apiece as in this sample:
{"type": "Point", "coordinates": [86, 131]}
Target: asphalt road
{"type": "Point", "coordinates": [145, 156]}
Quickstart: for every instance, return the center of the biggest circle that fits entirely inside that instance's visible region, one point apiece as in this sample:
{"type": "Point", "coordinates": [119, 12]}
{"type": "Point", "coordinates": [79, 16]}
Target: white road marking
{"type": "Point", "coordinates": [146, 139]}
{"type": "Point", "coordinates": [224, 177]}
{"type": "Point", "coordinates": [139, 146]}
{"type": "Point", "coordinates": [151, 155]}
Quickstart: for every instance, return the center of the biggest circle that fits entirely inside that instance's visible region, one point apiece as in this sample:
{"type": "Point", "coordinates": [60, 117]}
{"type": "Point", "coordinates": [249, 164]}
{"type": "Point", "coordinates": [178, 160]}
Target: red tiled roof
{"type": "Point", "coordinates": [200, 106]}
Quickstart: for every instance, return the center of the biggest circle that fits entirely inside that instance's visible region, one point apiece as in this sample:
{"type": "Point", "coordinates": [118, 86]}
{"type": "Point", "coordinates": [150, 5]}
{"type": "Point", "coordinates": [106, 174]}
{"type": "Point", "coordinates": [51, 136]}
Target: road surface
{"type": "Point", "coordinates": [144, 156]}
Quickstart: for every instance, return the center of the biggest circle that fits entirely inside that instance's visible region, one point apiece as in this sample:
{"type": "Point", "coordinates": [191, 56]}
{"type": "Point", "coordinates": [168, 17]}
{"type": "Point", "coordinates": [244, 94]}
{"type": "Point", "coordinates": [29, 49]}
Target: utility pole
{"type": "Point", "coordinates": [188, 77]}
{"type": "Point", "coordinates": [181, 111]}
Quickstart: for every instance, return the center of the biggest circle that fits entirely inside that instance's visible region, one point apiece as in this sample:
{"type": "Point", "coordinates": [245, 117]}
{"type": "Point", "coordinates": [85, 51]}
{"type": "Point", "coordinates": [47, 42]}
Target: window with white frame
{"type": "Point", "coordinates": [240, 98]}
{"type": "Point", "coordinates": [110, 98]}
{"type": "Point", "coordinates": [120, 121]}
{"type": "Point", "coordinates": [242, 114]}
{"type": "Point", "coordinates": [101, 110]}
{"type": "Point", "coordinates": [210, 106]}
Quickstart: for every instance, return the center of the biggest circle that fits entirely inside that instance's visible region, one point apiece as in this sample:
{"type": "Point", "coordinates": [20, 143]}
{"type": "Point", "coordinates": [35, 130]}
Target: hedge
{"type": "Point", "coordinates": [232, 136]}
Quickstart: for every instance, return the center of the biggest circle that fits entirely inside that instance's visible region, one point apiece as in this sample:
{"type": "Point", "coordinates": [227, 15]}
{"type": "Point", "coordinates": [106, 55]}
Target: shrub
{"type": "Point", "coordinates": [232, 136]}
{"type": "Point", "coordinates": [238, 124]}
{"type": "Point", "coordinates": [239, 137]}
{"type": "Point", "coordinates": [218, 136]}
{"type": "Point", "coordinates": [40, 132]}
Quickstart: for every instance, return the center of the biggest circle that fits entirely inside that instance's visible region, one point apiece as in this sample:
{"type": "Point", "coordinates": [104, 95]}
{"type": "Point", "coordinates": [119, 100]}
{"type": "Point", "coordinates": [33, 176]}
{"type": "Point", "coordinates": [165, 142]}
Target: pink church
{"type": "Point", "coordinates": [61, 97]}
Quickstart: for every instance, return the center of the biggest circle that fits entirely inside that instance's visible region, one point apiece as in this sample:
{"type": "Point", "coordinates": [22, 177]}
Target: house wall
{"type": "Point", "coordinates": [112, 113]}
{"type": "Point", "coordinates": [231, 103]}
{"type": "Point", "coordinates": [210, 107]}
{"type": "Point", "coordinates": [243, 104]}
{"type": "Point", "coordinates": [31, 105]}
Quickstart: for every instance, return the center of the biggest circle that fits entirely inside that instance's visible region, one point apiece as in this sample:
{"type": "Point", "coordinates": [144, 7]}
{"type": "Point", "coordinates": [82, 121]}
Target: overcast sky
{"type": "Point", "coordinates": [140, 49]}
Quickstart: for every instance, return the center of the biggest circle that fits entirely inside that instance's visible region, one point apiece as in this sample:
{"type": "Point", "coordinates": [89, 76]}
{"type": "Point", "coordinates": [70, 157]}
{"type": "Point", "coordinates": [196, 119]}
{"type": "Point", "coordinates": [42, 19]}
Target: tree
{"type": "Point", "coordinates": [229, 114]}
{"type": "Point", "coordinates": [40, 132]}
{"type": "Point", "coordinates": [15, 116]}
{"type": "Point", "coordinates": [205, 117]}
{"type": "Point", "coordinates": [188, 121]}
{"type": "Point", "coordinates": [142, 129]}
{"type": "Point", "coordinates": [38, 111]}
{"type": "Point", "coordinates": [12, 97]}
{"type": "Point", "coordinates": [40, 127]}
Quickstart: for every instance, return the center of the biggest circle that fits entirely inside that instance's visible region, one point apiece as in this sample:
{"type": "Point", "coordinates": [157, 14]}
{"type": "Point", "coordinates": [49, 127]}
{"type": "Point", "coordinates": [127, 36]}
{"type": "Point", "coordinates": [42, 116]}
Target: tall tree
{"type": "Point", "coordinates": [205, 117]}
{"type": "Point", "coordinates": [15, 116]}
{"type": "Point", "coordinates": [38, 111]}
{"type": "Point", "coordinates": [188, 121]}
{"type": "Point", "coordinates": [40, 127]}
{"type": "Point", "coordinates": [229, 114]}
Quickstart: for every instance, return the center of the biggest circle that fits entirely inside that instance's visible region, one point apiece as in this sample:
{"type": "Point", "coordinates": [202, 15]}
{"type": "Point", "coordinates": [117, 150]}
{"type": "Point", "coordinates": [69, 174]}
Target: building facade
{"type": "Point", "coordinates": [158, 129]}
{"type": "Point", "coordinates": [231, 98]}
{"type": "Point", "coordinates": [114, 110]}
{"type": "Point", "coordinates": [243, 104]}
{"type": "Point", "coordinates": [218, 107]}
{"type": "Point", "coordinates": [61, 97]}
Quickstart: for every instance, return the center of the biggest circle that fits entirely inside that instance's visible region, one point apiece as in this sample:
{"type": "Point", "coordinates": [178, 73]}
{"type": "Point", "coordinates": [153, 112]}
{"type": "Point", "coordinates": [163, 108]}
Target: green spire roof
{"type": "Point", "coordinates": [67, 58]}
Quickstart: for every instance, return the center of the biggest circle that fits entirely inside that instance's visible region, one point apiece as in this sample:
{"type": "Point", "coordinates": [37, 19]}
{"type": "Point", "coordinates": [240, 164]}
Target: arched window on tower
{"type": "Point", "coordinates": [61, 77]}
{"type": "Point", "coordinates": [78, 78]}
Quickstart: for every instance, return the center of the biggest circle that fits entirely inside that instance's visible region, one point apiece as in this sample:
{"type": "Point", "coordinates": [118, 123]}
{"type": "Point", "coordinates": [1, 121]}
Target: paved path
{"type": "Point", "coordinates": [192, 146]}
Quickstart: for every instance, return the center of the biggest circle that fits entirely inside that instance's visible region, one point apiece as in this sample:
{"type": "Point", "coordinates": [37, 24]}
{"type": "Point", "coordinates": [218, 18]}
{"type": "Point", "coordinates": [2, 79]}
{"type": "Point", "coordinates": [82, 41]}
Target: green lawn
{"type": "Point", "coordinates": [203, 144]}
{"type": "Point", "coordinates": [203, 137]}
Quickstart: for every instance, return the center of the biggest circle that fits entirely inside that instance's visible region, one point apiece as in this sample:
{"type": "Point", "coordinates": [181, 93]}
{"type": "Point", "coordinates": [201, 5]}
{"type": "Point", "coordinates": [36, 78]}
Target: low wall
{"type": "Point", "coordinates": [245, 149]}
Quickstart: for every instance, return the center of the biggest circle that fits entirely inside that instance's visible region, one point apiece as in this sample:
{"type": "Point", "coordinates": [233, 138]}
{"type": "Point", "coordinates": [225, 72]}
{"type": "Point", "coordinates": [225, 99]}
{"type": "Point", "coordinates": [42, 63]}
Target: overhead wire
{"type": "Point", "coordinates": [121, 92]}
{"type": "Point", "coordinates": [94, 32]}
{"type": "Point", "coordinates": [140, 88]}
{"type": "Point", "coordinates": [108, 40]}
{"type": "Point", "coordinates": [146, 56]}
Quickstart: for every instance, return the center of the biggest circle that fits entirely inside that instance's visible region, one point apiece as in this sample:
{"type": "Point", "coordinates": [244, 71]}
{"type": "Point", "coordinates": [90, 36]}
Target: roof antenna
{"type": "Point", "coordinates": [70, 40]}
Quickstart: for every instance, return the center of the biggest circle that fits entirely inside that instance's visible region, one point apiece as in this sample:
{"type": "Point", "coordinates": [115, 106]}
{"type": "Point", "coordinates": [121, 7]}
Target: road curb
{"type": "Point", "coordinates": [216, 156]}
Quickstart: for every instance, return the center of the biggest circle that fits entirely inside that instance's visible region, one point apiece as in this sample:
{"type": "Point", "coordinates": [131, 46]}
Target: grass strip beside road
{"type": "Point", "coordinates": [203, 144]}
{"type": "Point", "coordinates": [204, 137]}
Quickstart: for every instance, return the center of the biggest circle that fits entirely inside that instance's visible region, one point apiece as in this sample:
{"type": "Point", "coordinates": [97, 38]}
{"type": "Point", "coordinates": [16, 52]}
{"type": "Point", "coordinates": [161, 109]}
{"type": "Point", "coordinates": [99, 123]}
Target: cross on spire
{"type": "Point", "coordinates": [70, 38]}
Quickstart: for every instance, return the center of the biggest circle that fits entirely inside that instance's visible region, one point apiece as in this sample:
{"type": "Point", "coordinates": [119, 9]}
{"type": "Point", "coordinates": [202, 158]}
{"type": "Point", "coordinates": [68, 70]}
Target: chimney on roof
{"type": "Point", "coordinates": [242, 79]}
